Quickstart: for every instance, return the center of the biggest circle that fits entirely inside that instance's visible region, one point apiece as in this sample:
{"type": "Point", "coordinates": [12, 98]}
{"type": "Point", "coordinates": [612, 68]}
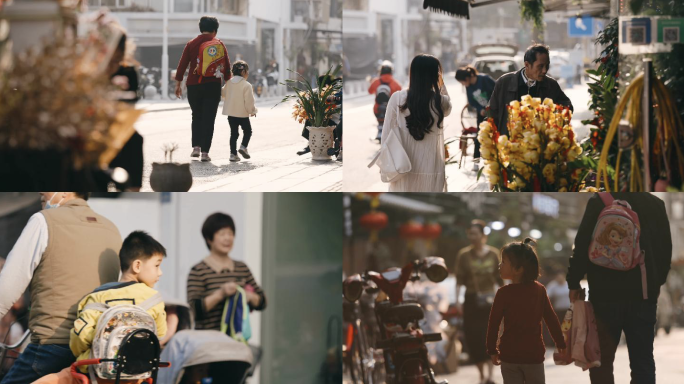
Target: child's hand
{"type": "Point", "coordinates": [254, 115]}
{"type": "Point", "coordinates": [495, 360]}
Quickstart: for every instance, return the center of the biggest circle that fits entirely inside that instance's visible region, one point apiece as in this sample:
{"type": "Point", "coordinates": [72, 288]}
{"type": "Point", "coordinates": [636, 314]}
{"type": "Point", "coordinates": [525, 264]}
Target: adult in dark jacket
{"type": "Point", "coordinates": [530, 80]}
{"type": "Point", "coordinates": [617, 296]}
{"type": "Point", "coordinates": [479, 88]}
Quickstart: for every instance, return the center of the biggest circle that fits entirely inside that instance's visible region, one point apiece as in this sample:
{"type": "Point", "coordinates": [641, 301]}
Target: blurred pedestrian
{"type": "Point", "coordinates": [64, 252]}
{"type": "Point", "coordinates": [522, 305]}
{"type": "Point", "coordinates": [218, 277]}
{"type": "Point", "coordinates": [479, 88]}
{"type": "Point", "coordinates": [123, 72]}
{"type": "Point", "coordinates": [618, 296]}
{"type": "Point", "coordinates": [477, 270]}
{"type": "Point", "coordinates": [558, 291]}
{"type": "Point", "coordinates": [239, 106]}
{"type": "Point", "coordinates": [383, 87]}
{"type": "Point", "coordinates": [416, 116]}
{"type": "Point", "coordinates": [209, 65]}
{"type": "Point", "coordinates": [530, 80]}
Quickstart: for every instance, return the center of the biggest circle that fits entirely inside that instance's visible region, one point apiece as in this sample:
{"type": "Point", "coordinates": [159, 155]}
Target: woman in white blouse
{"type": "Point", "coordinates": [417, 114]}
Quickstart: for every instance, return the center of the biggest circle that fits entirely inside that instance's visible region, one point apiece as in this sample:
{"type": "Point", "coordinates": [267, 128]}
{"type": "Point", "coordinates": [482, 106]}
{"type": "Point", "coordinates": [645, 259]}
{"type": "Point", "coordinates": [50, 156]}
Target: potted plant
{"type": "Point", "coordinates": [170, 176]}
{"type": "Point", "coordinates": [315, 106]}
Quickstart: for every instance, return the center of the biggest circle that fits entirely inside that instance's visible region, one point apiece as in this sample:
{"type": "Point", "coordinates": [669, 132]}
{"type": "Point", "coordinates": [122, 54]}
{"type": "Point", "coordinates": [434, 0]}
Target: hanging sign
{"type": "Point", "coordinates": [640, 35]}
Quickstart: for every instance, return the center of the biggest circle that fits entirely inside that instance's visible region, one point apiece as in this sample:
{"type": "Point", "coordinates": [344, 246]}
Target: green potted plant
{"type": "Point", "coordinates": [314, 105]}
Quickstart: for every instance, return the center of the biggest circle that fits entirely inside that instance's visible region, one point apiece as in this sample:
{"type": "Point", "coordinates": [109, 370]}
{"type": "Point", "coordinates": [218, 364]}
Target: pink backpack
{"type": "Point", "coordinates": [615, 242]}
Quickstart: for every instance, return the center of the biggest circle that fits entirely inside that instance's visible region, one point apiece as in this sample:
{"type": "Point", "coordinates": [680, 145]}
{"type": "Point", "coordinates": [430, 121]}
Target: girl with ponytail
{"type": "Point", "coordinates": [521, 305]}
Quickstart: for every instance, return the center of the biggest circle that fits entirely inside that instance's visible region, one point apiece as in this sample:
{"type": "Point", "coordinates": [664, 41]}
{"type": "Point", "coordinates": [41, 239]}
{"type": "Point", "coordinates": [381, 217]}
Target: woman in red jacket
{"type": "Point", "coordinates": [204, 92]}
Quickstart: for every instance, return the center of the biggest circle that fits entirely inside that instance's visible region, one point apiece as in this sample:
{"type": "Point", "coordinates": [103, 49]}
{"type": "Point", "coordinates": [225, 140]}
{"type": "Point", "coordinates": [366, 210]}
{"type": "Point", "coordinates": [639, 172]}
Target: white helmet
{"type": "Point", "coordinates": [387, 63]}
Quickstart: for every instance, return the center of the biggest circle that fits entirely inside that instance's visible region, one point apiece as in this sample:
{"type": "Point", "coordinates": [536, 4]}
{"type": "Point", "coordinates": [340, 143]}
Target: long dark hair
{"type": "Point", "coordinates": [423, 96]}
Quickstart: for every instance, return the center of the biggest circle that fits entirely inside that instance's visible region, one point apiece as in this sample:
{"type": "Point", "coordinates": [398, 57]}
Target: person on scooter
{"type": "Point", "coordinates": [383, 87]}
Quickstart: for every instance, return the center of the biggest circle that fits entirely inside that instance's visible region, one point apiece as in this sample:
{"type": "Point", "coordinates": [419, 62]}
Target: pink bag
{"type": "Point", "coordinates": [581, 337]}
{"type": "Point", "coordinates": [566, 326]}
{"type": "Point", "coordinates": [615, 241]}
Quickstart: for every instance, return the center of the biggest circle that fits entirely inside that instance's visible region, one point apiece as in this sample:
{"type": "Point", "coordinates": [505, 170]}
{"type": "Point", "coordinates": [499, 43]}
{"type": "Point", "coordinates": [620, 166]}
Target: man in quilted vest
{"type": "Point", "coordinates": [617, 296]}
{"type": "Point", "coordinates": [64, 252]}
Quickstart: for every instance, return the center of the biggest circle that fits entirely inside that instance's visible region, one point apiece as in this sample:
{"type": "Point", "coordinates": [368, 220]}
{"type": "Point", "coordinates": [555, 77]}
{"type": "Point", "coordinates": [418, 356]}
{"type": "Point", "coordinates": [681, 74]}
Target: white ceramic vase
{"type": "Point", "coordinates": [320, 139]}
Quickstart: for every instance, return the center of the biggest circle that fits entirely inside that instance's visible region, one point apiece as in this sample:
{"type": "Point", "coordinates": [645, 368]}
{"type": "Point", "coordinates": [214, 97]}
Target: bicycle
{"type": "Point", "coordinates": [403, 343]}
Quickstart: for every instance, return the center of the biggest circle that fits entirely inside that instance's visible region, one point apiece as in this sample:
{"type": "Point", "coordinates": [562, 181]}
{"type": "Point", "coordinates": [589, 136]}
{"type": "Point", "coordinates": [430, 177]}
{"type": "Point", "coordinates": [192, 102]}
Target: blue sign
{"type": "Point", "coordinates": [581, 26]}
{"type": "Point", "coordinates": [636, 31]}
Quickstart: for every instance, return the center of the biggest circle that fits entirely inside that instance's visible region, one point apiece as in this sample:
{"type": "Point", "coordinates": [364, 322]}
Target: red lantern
{"type": "Point", "coordinates": [374, 222]}
{"type": "Point", "coordinates": [432, 231]}
{"type": "Point", "coordinates": [411, 230]}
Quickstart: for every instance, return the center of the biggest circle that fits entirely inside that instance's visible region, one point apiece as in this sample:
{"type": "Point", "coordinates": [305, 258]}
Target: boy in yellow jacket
{"type": "Point", "coordinates": [140, 258]}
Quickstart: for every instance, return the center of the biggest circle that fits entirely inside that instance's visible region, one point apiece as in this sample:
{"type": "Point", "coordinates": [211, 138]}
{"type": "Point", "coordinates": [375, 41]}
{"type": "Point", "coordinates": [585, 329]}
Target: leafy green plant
{"type": "Point", "coordinates": [604, 87]}
{"type": "Point", "coordinates": [313, 104]}
{"type": "Point", "coordinates": [533, 10]}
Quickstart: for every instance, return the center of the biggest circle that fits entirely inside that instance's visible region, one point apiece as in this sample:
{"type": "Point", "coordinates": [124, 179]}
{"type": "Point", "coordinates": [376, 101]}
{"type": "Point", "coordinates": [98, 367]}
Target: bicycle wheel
{"type": "Point", "coordinates": [468, 117]}
{"type": "Point", "coordinates": [366, 352]}
{"type": "Point", "coordinates": [355, 362]}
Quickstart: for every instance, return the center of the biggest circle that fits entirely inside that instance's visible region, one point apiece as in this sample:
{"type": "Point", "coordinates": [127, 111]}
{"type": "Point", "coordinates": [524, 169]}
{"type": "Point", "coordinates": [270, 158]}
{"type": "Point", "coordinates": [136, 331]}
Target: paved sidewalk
{"type": "Point", "coordinates": [273, 166]}
{"type": "Point", "coordinates": [668, 353]}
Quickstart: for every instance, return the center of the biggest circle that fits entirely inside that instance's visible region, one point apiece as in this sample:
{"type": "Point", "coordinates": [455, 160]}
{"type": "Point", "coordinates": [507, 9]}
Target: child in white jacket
{"type": "Point", "coordinates": [239, 106]}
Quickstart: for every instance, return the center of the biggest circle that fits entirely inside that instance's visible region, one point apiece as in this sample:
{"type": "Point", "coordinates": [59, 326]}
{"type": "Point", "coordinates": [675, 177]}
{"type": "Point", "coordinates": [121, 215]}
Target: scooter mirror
{"type": "Point", "coordinates": [352, 288]}
{"type": "Point", "coordinates": [435, 269]}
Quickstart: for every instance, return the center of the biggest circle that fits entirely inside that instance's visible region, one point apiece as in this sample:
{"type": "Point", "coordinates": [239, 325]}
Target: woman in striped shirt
{"type": "Point", "coordinates": [217, 277]}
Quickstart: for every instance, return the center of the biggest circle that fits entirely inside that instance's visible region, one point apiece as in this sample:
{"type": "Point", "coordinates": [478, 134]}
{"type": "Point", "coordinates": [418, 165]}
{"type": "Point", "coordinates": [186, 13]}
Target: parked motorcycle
{"type": "Point", "coordinates": [403, 341]}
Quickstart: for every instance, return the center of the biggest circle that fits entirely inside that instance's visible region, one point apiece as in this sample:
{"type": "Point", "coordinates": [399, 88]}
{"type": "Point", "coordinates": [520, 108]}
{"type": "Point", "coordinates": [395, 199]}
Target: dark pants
{"type": "Point", "coordinates": [235, 123]}
{"type": "Point", "coordinates": [476, 154]}
{"type": "Point", "coordinates": [637, 319]}
{"type": "Point", "coordinates": [475, 319]}
{"type": "Point", "coordinates": [204, 100]}
{"type": "Point", "coordinates": [38, 361]}
{"type": "Point", "coordinates": [130, 158]}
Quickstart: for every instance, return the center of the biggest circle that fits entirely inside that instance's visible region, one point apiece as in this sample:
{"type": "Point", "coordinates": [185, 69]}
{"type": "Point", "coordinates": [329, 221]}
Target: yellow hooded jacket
{"type": "Point", "coordinates": [83, 333]}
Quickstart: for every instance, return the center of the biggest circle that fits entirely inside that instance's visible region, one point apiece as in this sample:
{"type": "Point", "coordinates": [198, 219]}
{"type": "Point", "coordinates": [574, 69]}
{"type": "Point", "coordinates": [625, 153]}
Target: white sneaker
{"type": "Point", "coordinates": [195, 152]}
{"type": "Point", "coordinates": [476, 166]}
{"type": "Point", "coordinates": [205, 157]}
{"type": "Point", "coordinates": [234, 158]}
{"type": "Point", "coordinates": [243, 152]}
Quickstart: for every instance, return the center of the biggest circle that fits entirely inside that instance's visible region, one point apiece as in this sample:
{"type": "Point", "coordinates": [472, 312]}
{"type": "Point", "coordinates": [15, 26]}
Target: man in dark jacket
{"type": "Point", "coordinates": [531, 80]}
{"type": "Point", "coordinates": [617, 296]}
